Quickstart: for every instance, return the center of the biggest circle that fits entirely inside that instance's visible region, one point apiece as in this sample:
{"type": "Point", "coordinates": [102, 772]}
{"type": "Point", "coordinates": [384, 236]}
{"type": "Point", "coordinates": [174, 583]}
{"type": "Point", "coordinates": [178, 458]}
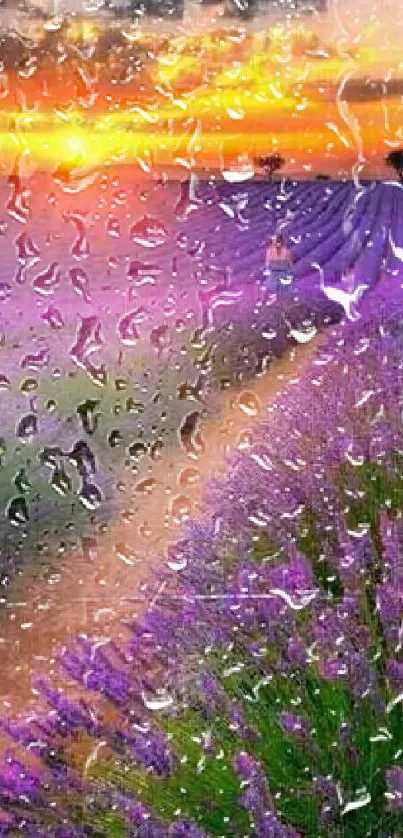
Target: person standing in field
{"type": "Point", "coordinates": [278, 265]}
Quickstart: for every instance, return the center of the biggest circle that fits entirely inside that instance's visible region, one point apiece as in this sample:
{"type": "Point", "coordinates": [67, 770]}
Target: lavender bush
{"type": "Point", "coordinates": [262, 692]}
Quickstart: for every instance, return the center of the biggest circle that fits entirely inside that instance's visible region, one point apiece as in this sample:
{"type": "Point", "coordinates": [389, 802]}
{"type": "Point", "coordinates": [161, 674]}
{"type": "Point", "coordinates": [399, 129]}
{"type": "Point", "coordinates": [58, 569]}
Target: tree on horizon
{"type": "Point", "coordinates": [395, 161]}
{"type": "Point", "coordinates": [270, 163]}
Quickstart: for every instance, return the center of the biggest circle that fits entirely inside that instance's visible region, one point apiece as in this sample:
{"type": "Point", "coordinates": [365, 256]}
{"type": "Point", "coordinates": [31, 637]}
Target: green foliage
{"type": "Point", "coordinates": [311, 544]}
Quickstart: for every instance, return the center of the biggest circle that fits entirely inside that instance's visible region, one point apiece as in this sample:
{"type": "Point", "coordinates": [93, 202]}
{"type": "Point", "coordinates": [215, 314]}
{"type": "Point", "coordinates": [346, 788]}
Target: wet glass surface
{"type": "Point", "coordinates": [201, 545]}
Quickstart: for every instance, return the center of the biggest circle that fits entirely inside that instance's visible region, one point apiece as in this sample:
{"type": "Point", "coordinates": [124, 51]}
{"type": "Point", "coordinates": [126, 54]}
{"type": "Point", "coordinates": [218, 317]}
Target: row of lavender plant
{"type": "Point", "coordinates": [262, 692]}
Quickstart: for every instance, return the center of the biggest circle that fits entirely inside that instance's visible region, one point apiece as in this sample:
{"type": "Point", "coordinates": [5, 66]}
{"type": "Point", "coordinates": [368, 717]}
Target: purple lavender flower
{"type": "Point", "coordinates": [339, 633]}
{"type": "Point", "coordinates": [327, 790]}
{"type": "Point", "coordinates": [389, 601]}
{"type": "Point", "coordinates": [394, 672]}
{"type": "Point", "coordinates": [391, 533]}
{"type": "Point", "coordinates": [269, 826]}
{"type": "Point", "coordinates": [296, 651]}
{"type": "Point", "coordinates": [140, 817]}
{"type": "Point", "coordinates": [149, 748]}
{"type": "Point", "coordinates": [69, 715]}
{"type": "Point", "coordinates": [31, 734]}
{"type": "Point", "coordinates": [294, 725]}
{"type": "Point", "coordinates": [18, 781]}
{"type": "Point", "coordinates": [256, 797]}
{"type": "Point", "coordinates": [90, 666]}
{"type": "Point", "coordinates": [217, 702]}
{"type": "Point", "coordinates": [365, 682]}
{"type": "Point", "coordinates": [186, 829]}
{"type": "Point", "coordinates": [215, 697]}
{"type": "Point", "coordinates": [394, 793]}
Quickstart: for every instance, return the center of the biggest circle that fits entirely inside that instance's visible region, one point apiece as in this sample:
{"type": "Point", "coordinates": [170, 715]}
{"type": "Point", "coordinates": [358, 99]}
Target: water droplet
{"type": "Point", "coordinates": [5, 291]}
{"type": "Point", "coordinates": [120, 384]}
{"type": "Point", "coordinates": [90, 496]}
{"type": "Point", "coordinates": [190, 436]}
{"type": "Point", "coordinates": [29, 385]}
{"type": "Point", "coordinates": [115, 438]}
{"type": "Point", "coordinates": [142, 273]}
{"type": "Point", "coordinates": [5, 382]}
{"type": "Point", "coordinates": [181, 508]}
{"type": "Point", "coordinates": [113, 227]}
{"type": "Point", "coordinates": [148, 232]}
{"type": "Point", "coordinates": [87, 342]}
{"type": "Point", "coordinates": [134, 406]}
{"type": "Point", "coordinates": [188, 477]}
{"type": "Point", "coordinates": [80, 282]}
{"type": "Point", "coordinates": [125, 554]}
{"type": "Point", "coordinates": [27, 250]}
{"type": "Point", "coordinates": [89, 548]}
{"type": "Point", "coordinates": [47, 281]}
{"type": "Point", "coordinates": [36, 361]}
{"type": "Point", "coordinates": [159, 338]}
{"type": "Point", "coordinates": [137, 450]}
{"type": "Point", "coordinates": [249, 403]}
{"type": "Point", "coordinates": [61, 482]}
{"type": "Point", "coordinates": [52, 316]}
{"type": "Point", "coordinates": [50, 456]}
{"type": "Point", "coordinates": [27, 427]}
{"type": "Point", "coordinates": [176, 560]}
{"type": "Point", "coordinates": [244, 441]}
{"type": "Point", "coordinates": [80, 248]}
{"type": "Point", "coordinates": [83, 459]}
{"type": "Point", "coordinates": [89, 419]}
{"type": "Point", "coordinates": [17, 511]}
{"type": "Point", "coordinates": [146, 486]}
{"type": "Point", "coordinates": [127, 329]}
{"type": "Point", "coordinates": [157, 701]}
{"type": "Point", "coordinates": [156, 449]}
{"type": "Point", "coordinates": [21, 481]}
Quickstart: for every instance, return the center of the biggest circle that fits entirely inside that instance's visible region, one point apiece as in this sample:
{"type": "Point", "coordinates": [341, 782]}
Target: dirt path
{"type": "Point", "coordinates": [96, 594]}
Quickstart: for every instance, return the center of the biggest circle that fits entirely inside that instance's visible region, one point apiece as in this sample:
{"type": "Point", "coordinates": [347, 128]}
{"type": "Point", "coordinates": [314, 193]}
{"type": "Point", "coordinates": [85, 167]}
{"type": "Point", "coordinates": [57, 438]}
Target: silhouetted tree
{"type": "Point", "coordinates": [270, 163]}
{"type": "Point", "coordinates": [395, 161]}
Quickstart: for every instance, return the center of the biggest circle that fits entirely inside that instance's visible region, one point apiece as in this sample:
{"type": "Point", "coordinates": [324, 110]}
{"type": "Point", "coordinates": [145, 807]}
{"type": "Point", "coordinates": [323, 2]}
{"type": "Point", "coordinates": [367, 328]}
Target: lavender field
{"type": "Point", "coordinates": [126, 305]}
{"type": "Point", "coordinates": [239, 670]}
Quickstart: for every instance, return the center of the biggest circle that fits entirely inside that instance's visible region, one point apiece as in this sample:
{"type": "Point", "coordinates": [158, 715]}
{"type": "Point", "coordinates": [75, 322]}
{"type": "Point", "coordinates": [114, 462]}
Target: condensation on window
{"type": "Point", "coordinates": [201, 395]}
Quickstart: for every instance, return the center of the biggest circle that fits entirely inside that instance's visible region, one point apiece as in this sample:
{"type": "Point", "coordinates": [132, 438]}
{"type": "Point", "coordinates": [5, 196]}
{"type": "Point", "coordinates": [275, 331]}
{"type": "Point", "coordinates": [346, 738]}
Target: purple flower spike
{"type": "Point", "coordinates": [392, 547]}
{"type": "Point", "coordinates": [270, 827]}
{"type": "Point", "coordinates": [215, 696]}
{"type": "Point", "coordinates": [17, 780]}
{"type": "Point", "coordinates": [140, 817]}
{"type": "Point", "coordinates": [296, 651]}
{"type": "Point", "coordinates": [257, 799]}
{"type": "Point", "coordinates": [294, 725]}
{"type": "Point", "coordinates": [186, 829]}
{"type": "Point", "coordinates": [91, 667]}
{"type": "Point", "coordinates": [394, 671]}
{"type": "Point", "coordinates": [150, 749]}
{"type": "Point", "coordinates": [68, 715]}
{"type": "Point", "coordinates": [394, 793]}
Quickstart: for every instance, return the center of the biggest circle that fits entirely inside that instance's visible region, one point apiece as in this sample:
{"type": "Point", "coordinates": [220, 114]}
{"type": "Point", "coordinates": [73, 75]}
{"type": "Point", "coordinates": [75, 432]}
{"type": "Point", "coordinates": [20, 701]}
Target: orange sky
{"type": "Point", "coordinates": [327, 93]}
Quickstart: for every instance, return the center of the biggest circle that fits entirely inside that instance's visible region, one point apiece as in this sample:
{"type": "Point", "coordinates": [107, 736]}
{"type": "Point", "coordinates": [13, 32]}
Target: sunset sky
{"type": "Point", "coordinates": [327, 93]}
